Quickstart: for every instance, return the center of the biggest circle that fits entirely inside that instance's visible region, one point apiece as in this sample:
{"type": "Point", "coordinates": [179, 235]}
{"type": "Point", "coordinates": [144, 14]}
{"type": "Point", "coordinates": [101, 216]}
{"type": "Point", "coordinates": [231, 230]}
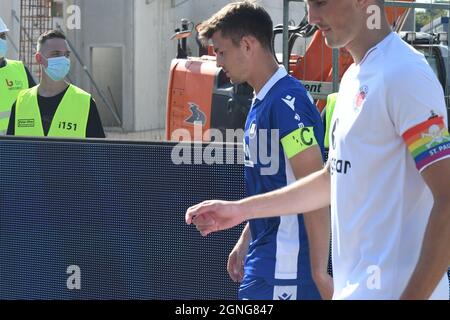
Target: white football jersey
{"type": "Point", "coordinates": [389, 124]}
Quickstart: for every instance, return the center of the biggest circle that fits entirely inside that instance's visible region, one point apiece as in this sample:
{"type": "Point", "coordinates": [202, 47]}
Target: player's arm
{"type": "Point", "coordinates": [304, 195]}
{"type": "Point", "coordinates": [236, 258]}
{"type": "Point", "coordinates": [317, 223]}
{"type": "Point", "coordinates": [308, 194]}
{"type": "Point", "coordinates": [429, 145]}
{"type": "Point", "coordinates": [434, 257]}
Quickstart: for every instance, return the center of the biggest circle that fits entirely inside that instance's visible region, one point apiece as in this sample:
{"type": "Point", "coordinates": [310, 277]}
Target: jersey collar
{"type": "Point", "coordinates": [379, 45]}
{"type": "Point", "coordinates": [277, 76]}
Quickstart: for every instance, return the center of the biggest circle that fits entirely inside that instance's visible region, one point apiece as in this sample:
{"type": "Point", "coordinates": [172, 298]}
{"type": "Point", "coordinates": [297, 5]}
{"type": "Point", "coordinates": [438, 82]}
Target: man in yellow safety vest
{"type": "Point", "coordinates": [55, 108]}
{"type": "Point", "coordinates": [14, 77]}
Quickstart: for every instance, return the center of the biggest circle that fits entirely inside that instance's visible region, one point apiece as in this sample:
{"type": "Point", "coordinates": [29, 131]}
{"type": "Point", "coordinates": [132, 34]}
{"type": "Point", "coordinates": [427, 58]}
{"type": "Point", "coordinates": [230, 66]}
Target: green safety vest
{"type": "Point", "coordinates": [70, 120]}
{"type": "Point", "coordinates": [13, 79]}
{"type": "Point", "coordinates": [329, 109]}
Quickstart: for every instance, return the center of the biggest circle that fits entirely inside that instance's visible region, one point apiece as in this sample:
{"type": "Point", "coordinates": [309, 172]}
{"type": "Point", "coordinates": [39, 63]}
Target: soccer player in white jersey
{"type": "Point", "coordinates": [388, 175]}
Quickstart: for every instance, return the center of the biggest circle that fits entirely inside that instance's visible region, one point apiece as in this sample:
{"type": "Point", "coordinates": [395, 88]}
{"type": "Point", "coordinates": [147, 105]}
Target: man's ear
{"type": "Point", "coordinates": [39, 59]}
{"type": "Point", "coordinates": [363, 4]}
{"type": "Point", "coordinates": [248, 43]}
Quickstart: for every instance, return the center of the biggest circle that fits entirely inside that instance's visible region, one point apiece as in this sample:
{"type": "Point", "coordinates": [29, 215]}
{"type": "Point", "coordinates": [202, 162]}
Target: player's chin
{"type": "Point", "coordinates": [236, 81]}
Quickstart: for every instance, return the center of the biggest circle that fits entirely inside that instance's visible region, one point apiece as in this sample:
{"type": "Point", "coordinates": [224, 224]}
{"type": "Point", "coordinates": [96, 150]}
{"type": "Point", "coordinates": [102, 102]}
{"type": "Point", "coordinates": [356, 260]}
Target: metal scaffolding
{"type": "Point", "coordinates": [35, 19]}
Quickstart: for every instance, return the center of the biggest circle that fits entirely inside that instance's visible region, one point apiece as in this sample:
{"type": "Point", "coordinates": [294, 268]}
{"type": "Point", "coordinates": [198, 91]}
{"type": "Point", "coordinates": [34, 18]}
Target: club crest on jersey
{"type": "Point", "coordinates": [361, 97]}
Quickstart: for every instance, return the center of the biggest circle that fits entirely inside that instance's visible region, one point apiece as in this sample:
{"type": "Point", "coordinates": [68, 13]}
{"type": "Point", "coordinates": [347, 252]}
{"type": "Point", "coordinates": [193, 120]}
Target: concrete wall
{"type": "Point", "coordinates": [7, 9]}
{"type": "Point", "coordinates": [155, 22]}
{"type": "Point", "coordinates": [106, 24]}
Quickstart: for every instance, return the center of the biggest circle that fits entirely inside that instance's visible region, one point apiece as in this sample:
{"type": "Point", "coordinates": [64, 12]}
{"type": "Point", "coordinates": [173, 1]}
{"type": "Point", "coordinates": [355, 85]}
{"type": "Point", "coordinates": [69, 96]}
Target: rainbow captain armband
{"type": "Point", "coordinates": [428, 142]}
{"type": "Point", "coordinates": [298, 140]}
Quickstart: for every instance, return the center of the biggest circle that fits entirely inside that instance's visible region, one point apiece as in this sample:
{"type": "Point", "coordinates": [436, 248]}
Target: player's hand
{"type": "Point", "coordinates": [212, 216]}
{"type": "Point", "coordinates": [235, 265]}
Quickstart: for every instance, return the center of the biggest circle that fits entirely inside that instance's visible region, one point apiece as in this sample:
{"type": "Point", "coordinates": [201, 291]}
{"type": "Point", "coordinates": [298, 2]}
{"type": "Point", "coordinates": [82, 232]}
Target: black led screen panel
{"type": "Point", "coordinates": [115, 211]}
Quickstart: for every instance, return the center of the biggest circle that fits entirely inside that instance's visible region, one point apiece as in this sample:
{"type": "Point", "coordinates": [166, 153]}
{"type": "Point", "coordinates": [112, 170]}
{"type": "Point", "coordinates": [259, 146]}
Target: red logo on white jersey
{"type": "Point", "coordinates": [363, 91]}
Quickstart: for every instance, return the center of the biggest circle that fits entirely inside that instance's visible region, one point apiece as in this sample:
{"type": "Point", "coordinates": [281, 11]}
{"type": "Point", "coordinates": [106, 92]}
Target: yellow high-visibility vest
{"type": "Point", "coordinates": [329, 109]}
{"type": "Point", "coordinates": [70, 120]}
{"type": "Point", "coordinates": [13, 79]}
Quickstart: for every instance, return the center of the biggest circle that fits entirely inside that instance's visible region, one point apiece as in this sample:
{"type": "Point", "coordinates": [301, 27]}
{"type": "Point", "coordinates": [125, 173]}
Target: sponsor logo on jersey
{"type": "Point", "coordinates": [333, 133]}
{"type": "Point", "coordinates": [340, 166]}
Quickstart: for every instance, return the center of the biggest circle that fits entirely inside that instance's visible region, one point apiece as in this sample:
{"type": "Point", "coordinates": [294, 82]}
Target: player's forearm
{"type": "Point", "coordinates": [305, 195]}
{"type": "Point", "coordinates": [246, 235]}
{"type": "Point", "coordinates": [317, 224]}
{"type": "Point", "coordinates": [434, 257]}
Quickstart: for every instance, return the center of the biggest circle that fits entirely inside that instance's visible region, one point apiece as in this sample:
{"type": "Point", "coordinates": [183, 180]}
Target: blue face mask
{"type": "Point", "coordinates": [3, 48]}
{"type": "Point", "coordinates": [58, 68]}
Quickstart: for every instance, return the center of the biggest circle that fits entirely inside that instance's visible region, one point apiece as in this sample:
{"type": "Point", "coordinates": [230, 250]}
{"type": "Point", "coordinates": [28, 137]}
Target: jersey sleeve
{"type": "Point", "coordinates": [417, 109]}
{"type": "Point", "coordinates": [298, 122]}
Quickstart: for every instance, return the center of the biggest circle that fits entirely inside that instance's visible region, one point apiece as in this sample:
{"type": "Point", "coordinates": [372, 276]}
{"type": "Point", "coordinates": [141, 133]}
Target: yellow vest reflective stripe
{"type": "Point", "coordinates": [13, 79]}
{"type": "Point", "coordinates": [331, 103]}
{"type": "Point", "coordinates": [70, 120]}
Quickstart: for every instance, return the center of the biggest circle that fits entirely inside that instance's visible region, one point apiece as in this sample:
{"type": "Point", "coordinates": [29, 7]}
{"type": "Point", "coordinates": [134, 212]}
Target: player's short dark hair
{"type": "Point", "coordinates": [52, 34]}
{"type": "Point", "coordinates": [239, 19]}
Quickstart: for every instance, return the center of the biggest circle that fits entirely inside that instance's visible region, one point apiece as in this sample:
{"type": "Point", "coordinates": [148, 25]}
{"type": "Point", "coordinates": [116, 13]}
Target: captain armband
{"type": "Point", "coordinates": [298, 140]}
{"type": "Point", "coordinates": [428, 142]}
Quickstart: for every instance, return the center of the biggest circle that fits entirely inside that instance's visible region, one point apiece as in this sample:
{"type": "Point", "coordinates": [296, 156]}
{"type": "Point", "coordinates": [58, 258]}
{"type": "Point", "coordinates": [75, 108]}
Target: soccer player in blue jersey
{"type": "Point", "coordinates": [276, 258]}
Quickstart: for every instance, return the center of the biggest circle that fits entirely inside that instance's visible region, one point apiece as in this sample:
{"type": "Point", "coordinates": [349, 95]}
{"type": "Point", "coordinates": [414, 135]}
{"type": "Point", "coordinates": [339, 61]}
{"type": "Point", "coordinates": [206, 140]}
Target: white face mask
{"type": "Point", "coordinates": [58, 68]}
{"type": "Point", "coordinates": [3, 48]}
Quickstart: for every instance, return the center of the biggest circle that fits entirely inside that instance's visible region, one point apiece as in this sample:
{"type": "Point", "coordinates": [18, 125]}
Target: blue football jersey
{"type": "Point", "coordinates": [283, 117]}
